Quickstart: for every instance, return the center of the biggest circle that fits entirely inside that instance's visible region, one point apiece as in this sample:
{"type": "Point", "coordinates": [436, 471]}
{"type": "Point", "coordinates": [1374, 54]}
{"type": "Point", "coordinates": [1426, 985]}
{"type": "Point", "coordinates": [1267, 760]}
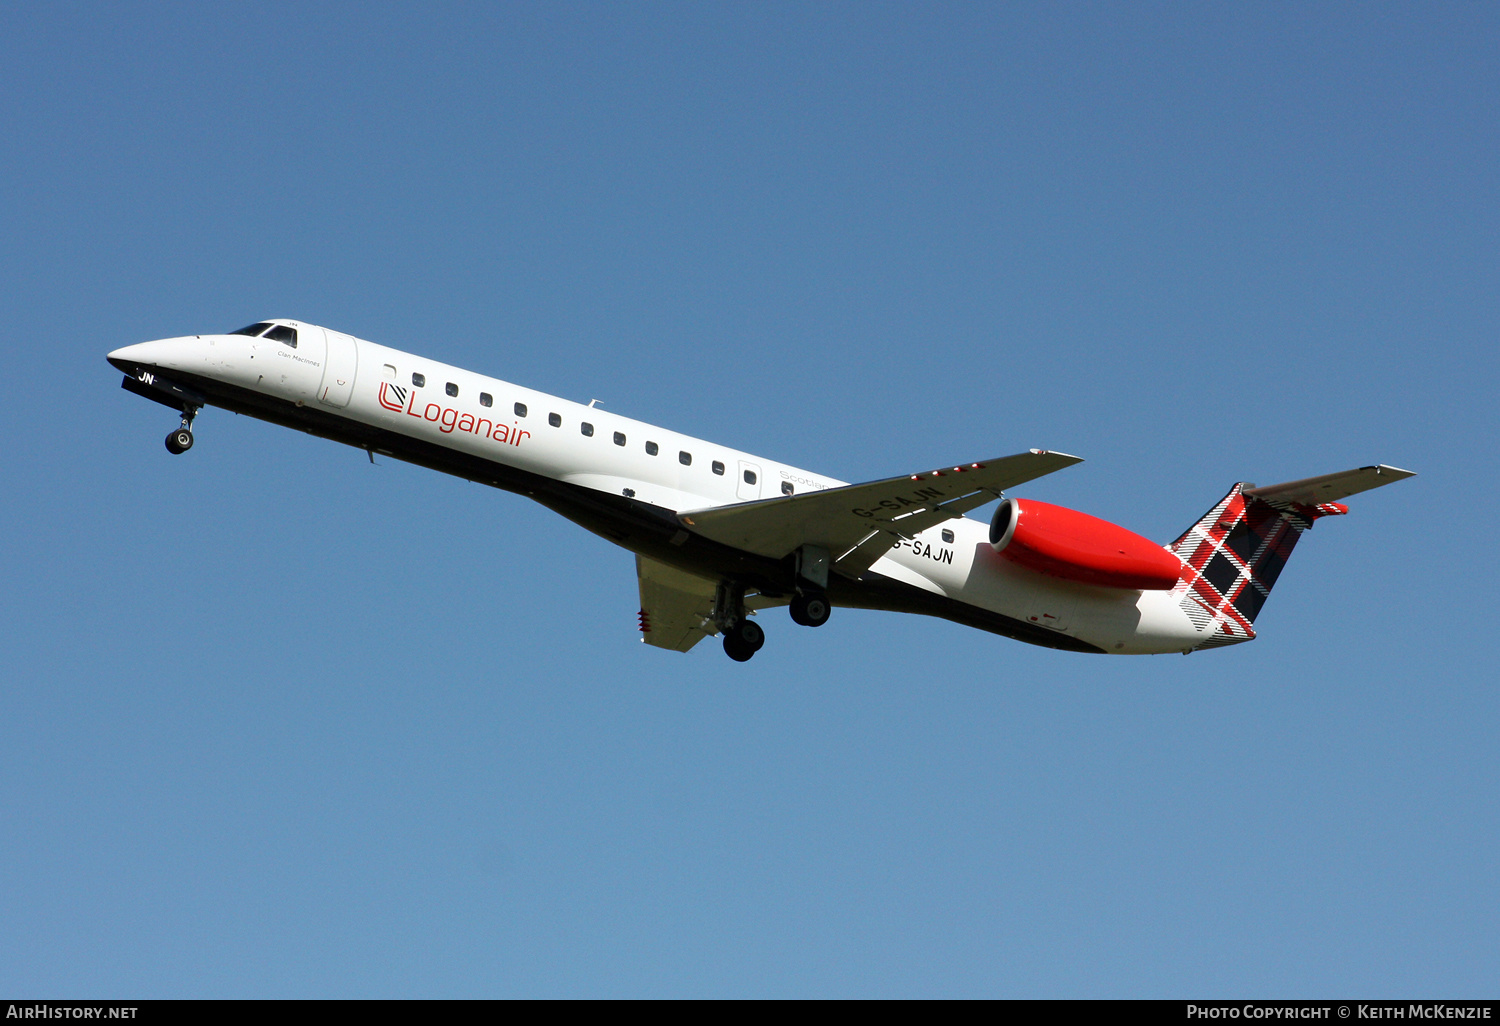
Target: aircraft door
{"type": "Point", "coordinates": [338, 369]}
{"type": "Point", "coordinates": [748, 483]}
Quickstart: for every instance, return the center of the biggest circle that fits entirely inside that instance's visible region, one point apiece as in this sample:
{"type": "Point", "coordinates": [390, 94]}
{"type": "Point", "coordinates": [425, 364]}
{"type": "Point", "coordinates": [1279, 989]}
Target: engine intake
{"type": "Point", "coordinates": [1065, 543]}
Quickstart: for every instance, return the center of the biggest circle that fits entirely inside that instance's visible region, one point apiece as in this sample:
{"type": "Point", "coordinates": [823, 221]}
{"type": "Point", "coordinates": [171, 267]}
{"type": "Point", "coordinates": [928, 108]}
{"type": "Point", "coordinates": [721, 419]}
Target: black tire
{"type": "Point", "coordinates": [751, 635]}
{"type": "Point", "coordinates": [179, 441]}
{"type": "Point", "coordinates": [736, 649]}
{"type": "Point", "coordinates": [811, 609]}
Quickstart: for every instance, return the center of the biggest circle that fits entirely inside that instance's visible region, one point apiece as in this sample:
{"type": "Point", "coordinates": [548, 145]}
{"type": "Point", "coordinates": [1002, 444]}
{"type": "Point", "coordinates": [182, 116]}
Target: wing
{"type": "Point", "coordinates": [858, 524]}
{"type": "Point", "coordinates": [675, 606]}
{"type": "Point", "coordinates": [1331, 487]}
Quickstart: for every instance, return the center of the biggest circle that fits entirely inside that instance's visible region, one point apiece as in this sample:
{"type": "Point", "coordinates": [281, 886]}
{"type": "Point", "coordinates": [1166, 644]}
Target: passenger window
{"type": "Point", "coordinates": [948, 536]}
{"type": "Point", "coordinates": [281, 333]}
{"type": "Point", "coordinates": [749, 477]}
{"type": "Point", "coordinates": [651, 449]}
{"type": "Point", "coordinates": [587, 428]}
{"type": "Point", "coordinates": [520, 409]}
{"type": "Point", "coordinates": [419, 380]}
{"type": "Point", "coordinates": [619, 438]}
{"type": "Point", "coordinates": [485, 399]}
{"type": "Point", "coordinates": [253, 330]}
{"type": "Point", "coordinates": [718, 468]}
{"type": "Point", "coordinates": [555, 419]}
{"type": "Point", "coordinates": [685, 458]}
{"type": "Point", "coordinates": [390, 371]}
{"type": "Point", "coordinates": [451, 389]}
{"type": "Point", "coordinates": [787, 488]}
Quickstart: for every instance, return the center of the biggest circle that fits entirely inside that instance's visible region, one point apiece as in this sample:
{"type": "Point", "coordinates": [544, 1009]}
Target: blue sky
{"type": "Point", "coordinates": [280, 723]}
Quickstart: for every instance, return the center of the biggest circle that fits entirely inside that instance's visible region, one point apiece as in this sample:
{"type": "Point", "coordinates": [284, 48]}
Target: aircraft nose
{"type": "Point", "coordinates": [166, 352]}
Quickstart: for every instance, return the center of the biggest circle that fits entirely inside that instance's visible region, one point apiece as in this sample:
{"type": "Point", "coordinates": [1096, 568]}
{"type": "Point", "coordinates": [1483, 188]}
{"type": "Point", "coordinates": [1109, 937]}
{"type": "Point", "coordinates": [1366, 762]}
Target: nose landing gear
{"type": "Point", "coordinates": [181, 440]}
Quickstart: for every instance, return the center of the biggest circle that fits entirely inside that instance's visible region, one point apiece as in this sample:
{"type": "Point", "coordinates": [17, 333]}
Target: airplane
{"type": "Point", "coordinates": [720, 535]}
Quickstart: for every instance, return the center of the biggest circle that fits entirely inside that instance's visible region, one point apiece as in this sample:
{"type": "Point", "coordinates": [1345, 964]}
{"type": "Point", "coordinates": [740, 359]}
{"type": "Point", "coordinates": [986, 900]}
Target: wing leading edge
{"type": "Point", "coordinates": [859, 523]}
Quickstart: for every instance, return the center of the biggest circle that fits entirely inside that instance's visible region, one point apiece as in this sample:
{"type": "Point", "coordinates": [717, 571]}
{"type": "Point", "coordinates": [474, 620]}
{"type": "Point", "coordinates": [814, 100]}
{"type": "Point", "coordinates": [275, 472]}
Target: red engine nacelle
{"type": "Point", "coordinates": [1066, 543]}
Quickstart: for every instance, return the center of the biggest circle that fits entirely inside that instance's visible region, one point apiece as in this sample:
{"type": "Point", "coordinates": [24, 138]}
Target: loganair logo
{"type": "Point", "coordinates": [399, 399]}
{"type": "Point", "coordinates": [392, 397]}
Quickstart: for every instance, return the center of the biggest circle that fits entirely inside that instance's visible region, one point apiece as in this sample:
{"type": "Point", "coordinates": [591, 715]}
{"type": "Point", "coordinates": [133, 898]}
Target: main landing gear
{"type": "Point", "coordinates": [181, 440]}
{"type": "Point", "coordinates": [810, 608]}
{"type": "Point", "coordinates": [809, 605]}
{"type": "Point", "coordinates": [743, 637]}
{"type": "Point", "coordinates": [743, 640]}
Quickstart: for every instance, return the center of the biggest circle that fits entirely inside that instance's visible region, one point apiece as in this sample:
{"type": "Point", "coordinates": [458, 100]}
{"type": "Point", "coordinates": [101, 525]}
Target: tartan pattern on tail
{"type": "Point", "coordinates": [1233, 556]}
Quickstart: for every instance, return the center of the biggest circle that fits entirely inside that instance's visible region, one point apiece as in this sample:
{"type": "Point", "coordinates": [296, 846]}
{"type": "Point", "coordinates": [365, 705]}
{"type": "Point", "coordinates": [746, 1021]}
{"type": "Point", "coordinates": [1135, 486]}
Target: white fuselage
{"type": "Point", "coordinates": [372, 386]}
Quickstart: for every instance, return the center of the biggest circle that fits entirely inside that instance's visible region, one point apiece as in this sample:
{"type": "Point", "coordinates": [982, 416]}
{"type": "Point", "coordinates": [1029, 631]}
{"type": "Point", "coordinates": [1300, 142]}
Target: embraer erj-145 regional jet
{"type": "Point", "coordinates": [719, 534]}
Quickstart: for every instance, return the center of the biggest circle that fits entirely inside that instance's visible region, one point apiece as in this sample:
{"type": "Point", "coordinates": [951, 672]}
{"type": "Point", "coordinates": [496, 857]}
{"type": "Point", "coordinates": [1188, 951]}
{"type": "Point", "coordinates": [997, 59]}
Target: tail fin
{"type": "Point", "coordinates": [1235, 553]}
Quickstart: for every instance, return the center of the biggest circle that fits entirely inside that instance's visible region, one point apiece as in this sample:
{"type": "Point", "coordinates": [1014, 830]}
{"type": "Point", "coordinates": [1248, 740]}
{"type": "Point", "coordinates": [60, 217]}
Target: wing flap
{"type": "Point", "coordinates": [675, 606]}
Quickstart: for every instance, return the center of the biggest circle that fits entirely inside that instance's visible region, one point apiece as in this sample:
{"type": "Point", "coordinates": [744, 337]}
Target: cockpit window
{"type": "Point", "coordinates": [253, 330]}
{"type": "Point", "coordinates": [281, 333]}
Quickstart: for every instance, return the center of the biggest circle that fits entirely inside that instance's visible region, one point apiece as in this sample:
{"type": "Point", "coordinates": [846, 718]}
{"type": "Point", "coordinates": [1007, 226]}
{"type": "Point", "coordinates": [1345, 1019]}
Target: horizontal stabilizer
{"type": "Point", "coordinates": [1330, 487]}
{"type": "Point", "coordinates": [859, 523]}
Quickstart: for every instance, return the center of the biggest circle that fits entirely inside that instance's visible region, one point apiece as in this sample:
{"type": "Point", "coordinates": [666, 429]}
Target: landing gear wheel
{"type": "Point", "coordinates": [736, 649]}
{"type": "Point", "coordinates": [179, 441]}
{"type": "Point", "coordinates": [743, 640]}
{"type": "Point", "coordinates": [751, 634]}
{"type": "Point", "coordinates": [810, 609]}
